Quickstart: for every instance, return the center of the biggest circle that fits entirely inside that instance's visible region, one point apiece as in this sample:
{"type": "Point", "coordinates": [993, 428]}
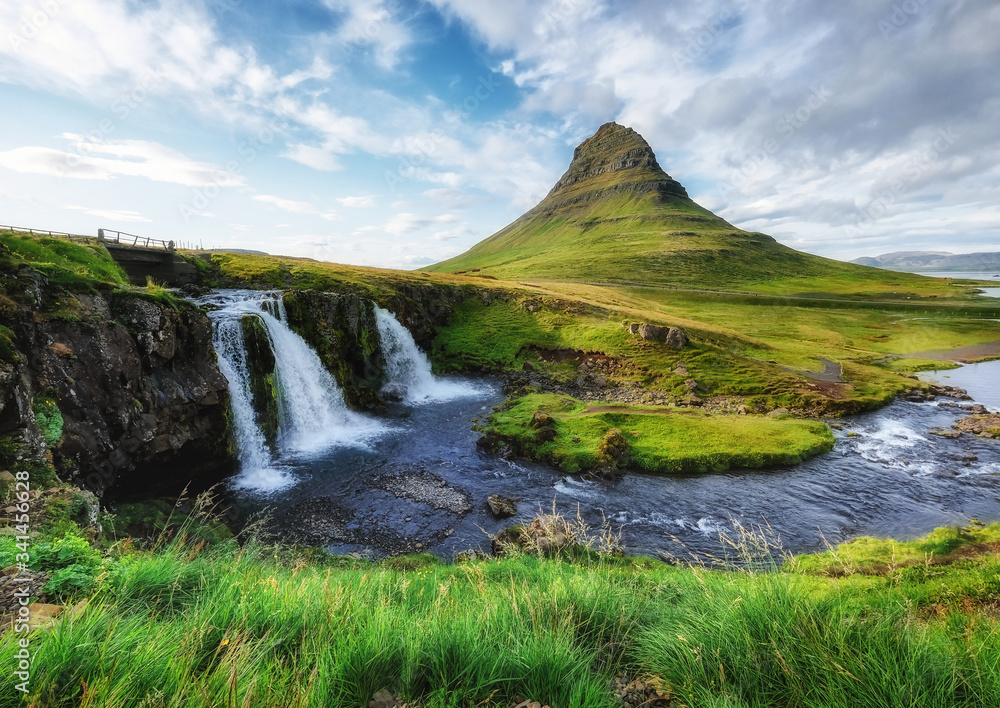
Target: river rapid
{"type": "Point", "coordinates": [420, 484]}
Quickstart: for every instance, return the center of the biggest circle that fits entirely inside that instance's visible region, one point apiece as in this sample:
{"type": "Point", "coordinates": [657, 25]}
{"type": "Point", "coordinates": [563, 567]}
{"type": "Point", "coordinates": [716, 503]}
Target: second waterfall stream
{"type": "Point", "coordinates": [312, 414]}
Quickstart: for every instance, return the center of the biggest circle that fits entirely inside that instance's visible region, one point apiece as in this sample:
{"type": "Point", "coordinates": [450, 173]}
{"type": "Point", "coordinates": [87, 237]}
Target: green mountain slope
{"type": "Point", "coordinates": [617, 217]}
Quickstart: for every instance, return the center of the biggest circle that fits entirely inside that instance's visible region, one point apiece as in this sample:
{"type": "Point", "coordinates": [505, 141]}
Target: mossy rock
{"type": "Point", "coordinates": [261, 367]}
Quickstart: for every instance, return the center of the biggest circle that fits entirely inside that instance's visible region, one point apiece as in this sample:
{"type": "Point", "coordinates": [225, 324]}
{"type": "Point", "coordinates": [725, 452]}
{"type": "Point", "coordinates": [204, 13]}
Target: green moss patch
{"type": "Point", "coordinates": [49, 420]}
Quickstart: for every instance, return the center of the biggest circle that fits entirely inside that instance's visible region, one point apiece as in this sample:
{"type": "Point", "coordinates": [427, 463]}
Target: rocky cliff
{"type": "Point", "coordinates": [115, 390]}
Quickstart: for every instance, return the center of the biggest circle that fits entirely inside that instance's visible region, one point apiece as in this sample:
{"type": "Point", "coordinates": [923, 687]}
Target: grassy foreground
{"type": "Point", "coordinates": [872, 623]}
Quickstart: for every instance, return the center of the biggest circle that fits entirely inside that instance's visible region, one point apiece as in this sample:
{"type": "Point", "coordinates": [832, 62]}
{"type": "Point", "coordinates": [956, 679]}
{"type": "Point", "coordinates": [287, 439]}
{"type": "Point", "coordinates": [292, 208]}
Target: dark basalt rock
{"type": "Point", "coordinates": [501, 507]}
{"type": "Point", "coordinates": [341, 328]}
{"type": "Point", "coordinates": [135, 382]}
{"type": "Point", "coordinates": [261, 366]}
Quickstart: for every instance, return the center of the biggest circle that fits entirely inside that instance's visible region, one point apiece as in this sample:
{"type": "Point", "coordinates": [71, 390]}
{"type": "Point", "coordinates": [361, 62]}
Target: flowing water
{"type": "Point", "coordinates": [409, 369]}
{"type": "Point", "coordinates": [312, 415]}
{"type": "Point", "coordinates": [414, 480]}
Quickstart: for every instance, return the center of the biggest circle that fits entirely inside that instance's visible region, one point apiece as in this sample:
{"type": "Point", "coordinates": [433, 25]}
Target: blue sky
{"type": "Point", "coordinates": [398, 133]}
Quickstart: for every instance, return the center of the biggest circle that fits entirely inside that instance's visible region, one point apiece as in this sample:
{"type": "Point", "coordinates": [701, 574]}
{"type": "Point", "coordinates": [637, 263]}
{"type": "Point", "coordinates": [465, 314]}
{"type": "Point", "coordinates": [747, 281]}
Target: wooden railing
{"type": "Point", "coordinates": [45, 232]}
{"type": "Point", "coordinates": [125, 239]}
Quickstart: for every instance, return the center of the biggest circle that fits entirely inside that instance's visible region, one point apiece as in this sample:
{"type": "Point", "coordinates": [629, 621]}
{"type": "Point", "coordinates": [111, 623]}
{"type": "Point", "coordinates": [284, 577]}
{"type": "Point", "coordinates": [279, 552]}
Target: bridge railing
{"type": "Point", "coordinates": [46, 232]}
{"type": "Point", "coordinates": [126, 239]}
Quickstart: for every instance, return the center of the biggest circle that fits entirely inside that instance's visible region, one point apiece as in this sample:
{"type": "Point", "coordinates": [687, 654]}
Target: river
{"type": "Point", "coordinates": [422, 481]}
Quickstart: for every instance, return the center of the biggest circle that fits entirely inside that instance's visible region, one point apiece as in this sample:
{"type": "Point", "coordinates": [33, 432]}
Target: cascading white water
{"type": "Point", "coordinates": [408, 369]}
{"type": "Point", "coordinates": [256, 466]}
{"type": "Point", "coordinates": [312, 414]}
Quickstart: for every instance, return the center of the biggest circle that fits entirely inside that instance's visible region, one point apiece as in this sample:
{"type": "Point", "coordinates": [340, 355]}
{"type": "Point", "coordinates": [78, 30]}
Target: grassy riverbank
{"type": "Point", "coordinates": [872, 623]}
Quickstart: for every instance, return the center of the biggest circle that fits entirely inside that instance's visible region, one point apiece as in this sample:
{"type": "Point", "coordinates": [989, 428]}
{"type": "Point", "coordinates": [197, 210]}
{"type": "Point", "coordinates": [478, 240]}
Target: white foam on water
{"type": "Point", "coordinates": [707, 525]}
{"type": "Point", "coordinates": [410, 369]}
{"type": "Point", "coordinates": [578, 489]}
{"type": "Point", "coordinates": [885, 443]}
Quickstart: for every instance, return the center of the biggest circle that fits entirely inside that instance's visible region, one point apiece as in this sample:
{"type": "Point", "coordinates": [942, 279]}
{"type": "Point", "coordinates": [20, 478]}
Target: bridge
{"type": "Point", "coordinates": [142, 257]}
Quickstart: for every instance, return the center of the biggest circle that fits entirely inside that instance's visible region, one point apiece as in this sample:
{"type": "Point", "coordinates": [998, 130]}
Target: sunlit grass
{"type": "Point", "coordinates": [191, 625]}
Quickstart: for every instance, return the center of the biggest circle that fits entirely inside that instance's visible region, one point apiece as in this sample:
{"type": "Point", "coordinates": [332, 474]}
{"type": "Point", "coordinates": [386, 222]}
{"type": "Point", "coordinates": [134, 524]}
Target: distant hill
{"type": "Point", "coordinates": [934, 261]}
{"type": "Point", "coordinates": [616, 217]}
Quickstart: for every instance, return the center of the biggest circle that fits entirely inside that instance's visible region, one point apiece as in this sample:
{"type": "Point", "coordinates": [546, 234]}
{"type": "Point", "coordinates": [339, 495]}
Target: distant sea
{"type": "Point", "coordinates": [995, 276]}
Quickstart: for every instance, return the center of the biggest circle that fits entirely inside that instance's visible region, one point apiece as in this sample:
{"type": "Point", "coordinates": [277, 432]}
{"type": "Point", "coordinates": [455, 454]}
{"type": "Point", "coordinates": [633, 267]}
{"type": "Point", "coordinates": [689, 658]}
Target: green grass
{"type": "Point", "coordinates": [191, 625]}
{"type": "Point", "coordinates": [240, 269]}
{"type": "Point", "coordinates": [74, 266]}
{"type": "Point", "coordinates": [642, 241]}
{"type": "Point", "coordinates": [659, 440]}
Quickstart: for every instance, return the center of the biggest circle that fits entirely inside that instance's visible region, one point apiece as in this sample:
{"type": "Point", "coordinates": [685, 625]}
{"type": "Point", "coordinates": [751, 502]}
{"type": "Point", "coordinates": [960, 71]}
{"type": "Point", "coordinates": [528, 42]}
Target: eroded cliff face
{"type": "Point", "coordinates": [117, 392]}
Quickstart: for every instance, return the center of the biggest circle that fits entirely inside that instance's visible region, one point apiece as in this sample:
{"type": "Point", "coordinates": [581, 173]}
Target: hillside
{"type": "Point", "coordinates": [616, 217]}
{"type": "Point", "coordinates": [933, 261]}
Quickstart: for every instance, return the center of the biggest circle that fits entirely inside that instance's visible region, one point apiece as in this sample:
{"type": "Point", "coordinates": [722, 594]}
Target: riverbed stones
{"type": "Point", "coordinates": [949, 433]}
{"type": "Point", "coordinates": [916, 395]}
{"type": "Point", "coordinates": [421, 486]}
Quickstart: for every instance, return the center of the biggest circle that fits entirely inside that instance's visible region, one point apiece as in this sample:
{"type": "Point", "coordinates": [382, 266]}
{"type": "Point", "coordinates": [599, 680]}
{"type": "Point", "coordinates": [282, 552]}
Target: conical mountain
{"type": "Point", "coordinates": [617, 217]}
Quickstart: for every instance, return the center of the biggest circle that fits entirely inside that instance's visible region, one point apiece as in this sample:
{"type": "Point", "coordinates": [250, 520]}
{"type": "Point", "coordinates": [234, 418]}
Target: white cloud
{"type": "Point", "coordinates": [286, 204]}
{"type": "Point", "coordinates": [373, 25]}
{"type": "Point", "coordinates": [450, 234]}
{"type": "Point", "coordinates": [317, 158]}
{"type": "Point", "coordinates": [446, 198]}
{"type": "Point", "coordinates": [407, 222]}
{"type": "Point", "coordinates": [362, 202]}
{"type": "Point", "coordinates": [126, 158]}
{"type": "Point", "coordinates": [110, 214]}
{"type": "Point", "coordinates": [296, 207]}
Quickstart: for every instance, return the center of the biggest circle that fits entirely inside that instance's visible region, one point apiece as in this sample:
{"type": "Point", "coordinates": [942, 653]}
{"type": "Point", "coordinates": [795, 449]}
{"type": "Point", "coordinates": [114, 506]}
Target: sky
{"type": "Point", "coordinates": [398, 133]}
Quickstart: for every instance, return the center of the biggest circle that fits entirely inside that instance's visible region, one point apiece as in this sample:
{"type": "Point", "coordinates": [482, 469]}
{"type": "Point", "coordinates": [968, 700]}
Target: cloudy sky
{"type": "Point", "coordinates": [398, 133]}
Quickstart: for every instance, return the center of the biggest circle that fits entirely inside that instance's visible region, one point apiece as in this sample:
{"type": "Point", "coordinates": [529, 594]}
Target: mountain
{"type": "Point", "coordinates": [933, 261]}
{"type": "Point", "coordinates": [616, 217]}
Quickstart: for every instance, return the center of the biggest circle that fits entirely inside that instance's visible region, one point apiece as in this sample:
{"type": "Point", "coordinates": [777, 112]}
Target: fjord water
{"type": "Point", "coordinates": [417, 478]}
{"type": "Point", "coordinates": [989, 292]}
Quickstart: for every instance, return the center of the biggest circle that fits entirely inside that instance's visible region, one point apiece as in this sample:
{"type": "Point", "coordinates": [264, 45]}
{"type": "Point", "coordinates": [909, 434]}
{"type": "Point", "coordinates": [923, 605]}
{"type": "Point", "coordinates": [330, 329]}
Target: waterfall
{"type": "Point", "coordinates": [312, 414]}
{"type": "Point", "coordinates": [408, 369]}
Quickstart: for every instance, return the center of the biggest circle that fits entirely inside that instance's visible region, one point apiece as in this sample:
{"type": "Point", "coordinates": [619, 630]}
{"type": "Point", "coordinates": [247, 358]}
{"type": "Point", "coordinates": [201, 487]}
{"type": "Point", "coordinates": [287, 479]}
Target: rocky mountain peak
{"type": "Point", "coordinates": [615, 158]}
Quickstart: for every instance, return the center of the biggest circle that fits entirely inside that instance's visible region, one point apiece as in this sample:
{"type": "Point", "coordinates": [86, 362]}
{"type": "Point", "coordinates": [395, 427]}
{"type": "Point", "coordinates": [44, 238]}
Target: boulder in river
{"type": "Point", "coordinates": [985, 426]}
{"type": "Point", "coordinates": [501, 507]}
